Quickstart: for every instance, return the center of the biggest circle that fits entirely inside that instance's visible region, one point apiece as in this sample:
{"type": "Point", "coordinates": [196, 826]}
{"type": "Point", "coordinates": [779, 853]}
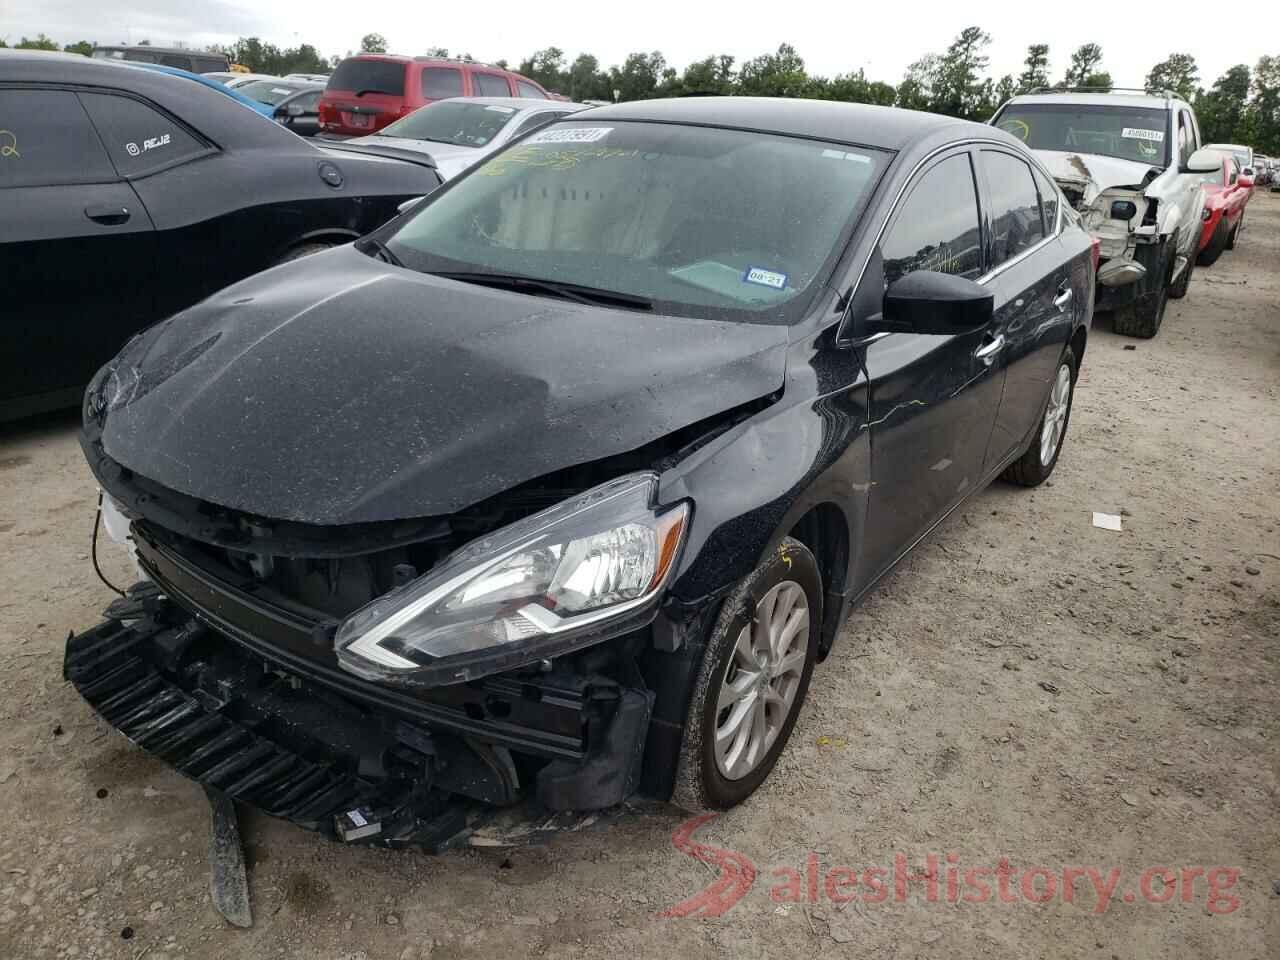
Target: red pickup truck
{"type": "Point", "coordinates": [1226, 194]}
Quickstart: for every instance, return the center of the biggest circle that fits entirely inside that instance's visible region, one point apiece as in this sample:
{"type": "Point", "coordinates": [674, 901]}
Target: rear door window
{"type": "Point", "coordinates": [1048, 201]}
{"type": "Point", "coordinates": [440, 83]}
{"type": "Point", "coordinates": [491, 85]}
{"type": "Point", "coordinates": [369, 76]}
{"type": "Point", "coordinates": [937, 228]}
{"type": "Point", "coordinates": [1013, 206]}
{"type": "Point", "coordinates": [46, 138]}
{"type": "Point", "coordinates": [526, 89]}
{"type": "Point", "coordinates": [138, 137]}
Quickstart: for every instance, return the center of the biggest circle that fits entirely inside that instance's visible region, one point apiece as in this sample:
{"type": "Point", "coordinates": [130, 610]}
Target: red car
{"type": "Point", "coordinates": [367, 92]}
{"type": "Point", "coordinates": [1225, 195]}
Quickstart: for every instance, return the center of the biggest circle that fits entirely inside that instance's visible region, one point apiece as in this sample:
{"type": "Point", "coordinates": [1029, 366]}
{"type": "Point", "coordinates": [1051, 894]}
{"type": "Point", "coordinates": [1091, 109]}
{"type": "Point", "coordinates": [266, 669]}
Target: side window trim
{"type": "Point", "coordinates": [210, 148]}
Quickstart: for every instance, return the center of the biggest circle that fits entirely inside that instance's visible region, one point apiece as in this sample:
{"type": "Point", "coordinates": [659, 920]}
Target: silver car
{"type": "Point", "coordinates": [462, 131]}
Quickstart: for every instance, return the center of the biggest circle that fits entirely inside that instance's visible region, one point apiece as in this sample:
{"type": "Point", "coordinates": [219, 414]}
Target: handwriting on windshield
{"type": "Point", "coordinates": [538, 155]}
{"type": "Point", "coordinates": [9, 145]}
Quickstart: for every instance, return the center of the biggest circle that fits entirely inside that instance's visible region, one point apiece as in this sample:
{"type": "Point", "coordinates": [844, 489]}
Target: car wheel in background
{"type": "Point", "coordinates": [302, 250]}
{"type": "Point", "coordinates": [1035, 465]}
{"type": "Point", "coordinates": [1235, 232]}
{"type": "Point", "coordinates": [753, 679]}
{"type": "Point", "coordinates": [1217, 243]}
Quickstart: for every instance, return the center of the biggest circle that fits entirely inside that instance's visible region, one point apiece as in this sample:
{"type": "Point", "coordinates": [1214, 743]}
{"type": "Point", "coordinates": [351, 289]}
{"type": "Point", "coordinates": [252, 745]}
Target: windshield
{"type": "Point", "coordinates": [457, 122]}
{"type": "Point", "coordinates": [269, 91]}
{"type": "Point", "coordinates": [369, 76]}
{"type": "Point", "coordinates": [698, 221]}
{"type": "Point", "coordinates": [1127, 133]}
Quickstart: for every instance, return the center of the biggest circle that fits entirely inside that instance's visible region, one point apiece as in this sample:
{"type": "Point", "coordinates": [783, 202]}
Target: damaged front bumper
{"type": "Point", "coordinates": [229, 690]}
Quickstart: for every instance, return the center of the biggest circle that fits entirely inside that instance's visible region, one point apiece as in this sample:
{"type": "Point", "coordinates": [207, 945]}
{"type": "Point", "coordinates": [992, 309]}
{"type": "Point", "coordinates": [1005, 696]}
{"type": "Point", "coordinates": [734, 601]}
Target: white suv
{"type": "Point", "coordinates": [1130, 164]}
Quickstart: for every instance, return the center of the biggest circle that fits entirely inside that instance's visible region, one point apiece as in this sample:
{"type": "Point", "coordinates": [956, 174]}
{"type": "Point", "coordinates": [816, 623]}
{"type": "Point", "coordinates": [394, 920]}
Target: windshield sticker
{"type": "Point", "coordinates": [765, 278]}
{"type": "Point", "coordinates": [150, 144]}
{"type": "Point", "coordinates": [842, 155]}
{"type": "Point", "coordinates": [499, 109]}
{"type": "Point", "coordinates": [9, 145]}
{"type": "Point", "coordinates": [1019, 128]}
{"type": "Point", "coordinates": [1139, 133]}
{"type": "Point", "coordinates": [571, 135]}
{"type": "Point", "coordinates": [531, 156]}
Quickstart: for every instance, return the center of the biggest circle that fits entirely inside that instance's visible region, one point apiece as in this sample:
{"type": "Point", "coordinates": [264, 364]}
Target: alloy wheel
{"type": "Point", "coordinates": [759, 685]}
{"type": "Point", "coordinates": [1055, 415]}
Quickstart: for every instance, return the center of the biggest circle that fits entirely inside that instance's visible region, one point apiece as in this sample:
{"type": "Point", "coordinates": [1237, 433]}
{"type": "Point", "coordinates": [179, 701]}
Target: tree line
{"type": "Point", "coordinates": [1241, 106]}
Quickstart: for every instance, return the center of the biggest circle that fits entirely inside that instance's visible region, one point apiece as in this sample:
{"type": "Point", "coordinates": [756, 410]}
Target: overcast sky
{"type": "Point", "coordinates": [833, 38]}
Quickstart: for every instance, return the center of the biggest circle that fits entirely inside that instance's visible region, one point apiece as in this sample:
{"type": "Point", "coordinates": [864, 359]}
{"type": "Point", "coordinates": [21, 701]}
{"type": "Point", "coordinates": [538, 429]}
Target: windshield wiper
{"type": "Point", "coordinates": [378, 249]}
{"type": "Point", "coordinates": [555, 288]}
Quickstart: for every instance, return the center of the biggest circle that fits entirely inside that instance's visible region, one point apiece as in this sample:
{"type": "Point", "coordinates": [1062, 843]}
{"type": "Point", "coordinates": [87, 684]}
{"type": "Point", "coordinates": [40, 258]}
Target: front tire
{"type": "Point", "coordinates": [753, 680]}
{"type": "Point", "coordinates": [1142, 317]}
{"type": "Point", "coordinates": [302, 250]}
{"type": "Point", "coordinates": [1217, 243]}
{"type": "Point", "coordinates": [1036, 464]}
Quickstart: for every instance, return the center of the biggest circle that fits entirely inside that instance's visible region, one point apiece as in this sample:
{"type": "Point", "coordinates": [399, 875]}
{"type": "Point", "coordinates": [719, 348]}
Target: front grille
{"type": "Point", "coordinates": [130, 694]}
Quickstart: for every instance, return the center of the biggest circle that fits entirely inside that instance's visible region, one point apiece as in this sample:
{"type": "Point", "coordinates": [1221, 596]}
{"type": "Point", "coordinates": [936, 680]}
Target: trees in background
{"type": "Point", "coordinates": [1241, 106]}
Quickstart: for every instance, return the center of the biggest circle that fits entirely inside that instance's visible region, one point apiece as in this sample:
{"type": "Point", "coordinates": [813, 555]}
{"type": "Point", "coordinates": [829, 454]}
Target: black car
{"type": "Point", "coordinates": [556, 489]}
{"type": "Point", "coordinates": [129, 194]}
{"type": "Point", "coordinates": [296, 102]}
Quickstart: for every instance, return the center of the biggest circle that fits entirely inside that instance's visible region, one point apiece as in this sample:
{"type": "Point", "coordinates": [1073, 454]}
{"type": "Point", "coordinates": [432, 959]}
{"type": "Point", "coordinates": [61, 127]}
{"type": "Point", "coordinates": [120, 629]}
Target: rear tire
{"type": "Point", "coordinates": [1217, 243]}
{"type": "Point", "coordinates": [1035, 465]}
{"type": "Point", "coordinates": [730, 686]}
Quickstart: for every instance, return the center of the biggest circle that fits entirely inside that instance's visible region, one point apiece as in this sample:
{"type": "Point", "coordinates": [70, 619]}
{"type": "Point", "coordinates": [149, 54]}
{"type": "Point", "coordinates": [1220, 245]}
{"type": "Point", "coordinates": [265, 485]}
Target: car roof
{"type": "Point", "coordinates": [218, 112]}
{"type": "Point", "coordinates": [885, 127]}
{"type": "Point", "coordinates": [146, 47]}
{"type": "Point", "coordinates": [523, 104]}
{"type": "Point", "coordinates": [1160, 102]}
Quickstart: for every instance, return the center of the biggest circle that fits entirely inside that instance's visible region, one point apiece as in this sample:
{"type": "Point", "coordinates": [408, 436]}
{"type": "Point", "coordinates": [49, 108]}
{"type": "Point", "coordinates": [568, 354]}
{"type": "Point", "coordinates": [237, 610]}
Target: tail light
{"type": "Point", "coordinates": [1095, 248]}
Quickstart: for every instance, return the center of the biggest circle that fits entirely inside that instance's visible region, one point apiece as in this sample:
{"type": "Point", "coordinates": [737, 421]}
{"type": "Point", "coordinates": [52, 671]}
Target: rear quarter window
{"type": "Point", "coordinates": [138, 137]}
{"type": "Point", "coordinates": [490, 85]}
{"type": "Point", "coordinates": [440, 83]}
{"type": "Point", "coordinates": [46, 139]}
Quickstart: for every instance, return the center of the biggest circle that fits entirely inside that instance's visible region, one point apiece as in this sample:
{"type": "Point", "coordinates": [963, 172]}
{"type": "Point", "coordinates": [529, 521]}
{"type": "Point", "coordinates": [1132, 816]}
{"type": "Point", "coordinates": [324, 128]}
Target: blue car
{"type": "Point", "coordinates": [263, 108]}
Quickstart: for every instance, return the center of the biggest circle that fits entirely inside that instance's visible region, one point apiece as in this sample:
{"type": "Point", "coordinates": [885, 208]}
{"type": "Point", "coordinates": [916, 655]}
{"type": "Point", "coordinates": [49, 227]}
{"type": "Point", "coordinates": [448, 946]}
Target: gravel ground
{"type": "Point", "coordinates": [1024, 686]}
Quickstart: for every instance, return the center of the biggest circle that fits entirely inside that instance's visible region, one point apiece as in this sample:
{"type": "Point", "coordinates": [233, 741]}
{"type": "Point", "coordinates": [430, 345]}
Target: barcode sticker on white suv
{"type": "Point", "coordinates": [1138, 133]}
{"type": "Point", "coordinates": [571, 135]}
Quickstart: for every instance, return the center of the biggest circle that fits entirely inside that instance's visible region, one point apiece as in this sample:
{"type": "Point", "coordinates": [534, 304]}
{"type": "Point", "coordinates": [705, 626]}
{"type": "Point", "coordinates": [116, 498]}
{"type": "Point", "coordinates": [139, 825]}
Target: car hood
{"type": "Point", "coordinates": [449, 159]}
{"type": "Point", "coordinates": [339, 389]}
{"type": "Point", "coordinates": [1092, 173]}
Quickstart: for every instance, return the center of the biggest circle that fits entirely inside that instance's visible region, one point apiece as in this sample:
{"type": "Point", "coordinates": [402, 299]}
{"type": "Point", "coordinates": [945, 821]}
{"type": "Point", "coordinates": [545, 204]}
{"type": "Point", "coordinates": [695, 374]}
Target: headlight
{"type": "Point", "coordinates": [583, 570]}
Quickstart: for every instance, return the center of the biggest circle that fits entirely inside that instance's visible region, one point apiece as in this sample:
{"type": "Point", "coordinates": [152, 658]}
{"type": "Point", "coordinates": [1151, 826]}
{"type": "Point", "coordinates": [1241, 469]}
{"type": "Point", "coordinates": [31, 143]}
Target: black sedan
{"type": "Point", "coordinates": [556, 489]}
{"type": "Point", "coordinates": [129, 194]}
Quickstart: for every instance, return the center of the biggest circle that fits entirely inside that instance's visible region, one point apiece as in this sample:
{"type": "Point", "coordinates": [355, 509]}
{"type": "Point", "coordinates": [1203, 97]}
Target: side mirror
{"type": "Point", "coordinates": [1204, 161]}
{"type": "Point", "coordinates": [934, 303]}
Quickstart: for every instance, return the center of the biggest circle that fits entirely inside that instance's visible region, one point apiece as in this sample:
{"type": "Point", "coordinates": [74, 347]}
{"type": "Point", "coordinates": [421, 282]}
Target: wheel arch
{"type": "Point", "coordinates": [824, 529]}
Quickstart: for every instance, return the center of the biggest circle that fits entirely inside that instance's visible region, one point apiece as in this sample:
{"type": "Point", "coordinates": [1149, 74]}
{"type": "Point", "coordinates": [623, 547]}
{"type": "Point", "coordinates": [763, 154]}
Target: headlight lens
{"type": "Point", "coordinates": [574, 574]}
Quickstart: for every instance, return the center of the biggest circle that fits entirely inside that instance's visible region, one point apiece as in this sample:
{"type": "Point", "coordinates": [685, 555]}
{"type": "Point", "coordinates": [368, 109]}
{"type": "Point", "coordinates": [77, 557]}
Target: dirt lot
{"type": "Point", "coordinates": [1025, 686]}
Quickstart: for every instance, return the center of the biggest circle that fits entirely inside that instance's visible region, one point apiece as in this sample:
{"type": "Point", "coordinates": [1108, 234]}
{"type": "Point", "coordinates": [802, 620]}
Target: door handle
{"type": "Point", "coordinates": [1062, 299]}
{"type": "Point", "coordinates": [108, 214]}
{"type": "Point", "coordinates": [987, 352]}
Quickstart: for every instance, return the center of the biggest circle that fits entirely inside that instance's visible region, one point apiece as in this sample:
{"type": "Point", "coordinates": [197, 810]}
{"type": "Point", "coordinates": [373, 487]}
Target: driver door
{"type": "Point", "coordinates": [933, 398]}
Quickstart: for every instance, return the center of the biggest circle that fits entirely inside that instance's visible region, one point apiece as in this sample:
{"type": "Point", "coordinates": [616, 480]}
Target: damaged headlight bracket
{"type": "Point", "coordinates": [586, 570]}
